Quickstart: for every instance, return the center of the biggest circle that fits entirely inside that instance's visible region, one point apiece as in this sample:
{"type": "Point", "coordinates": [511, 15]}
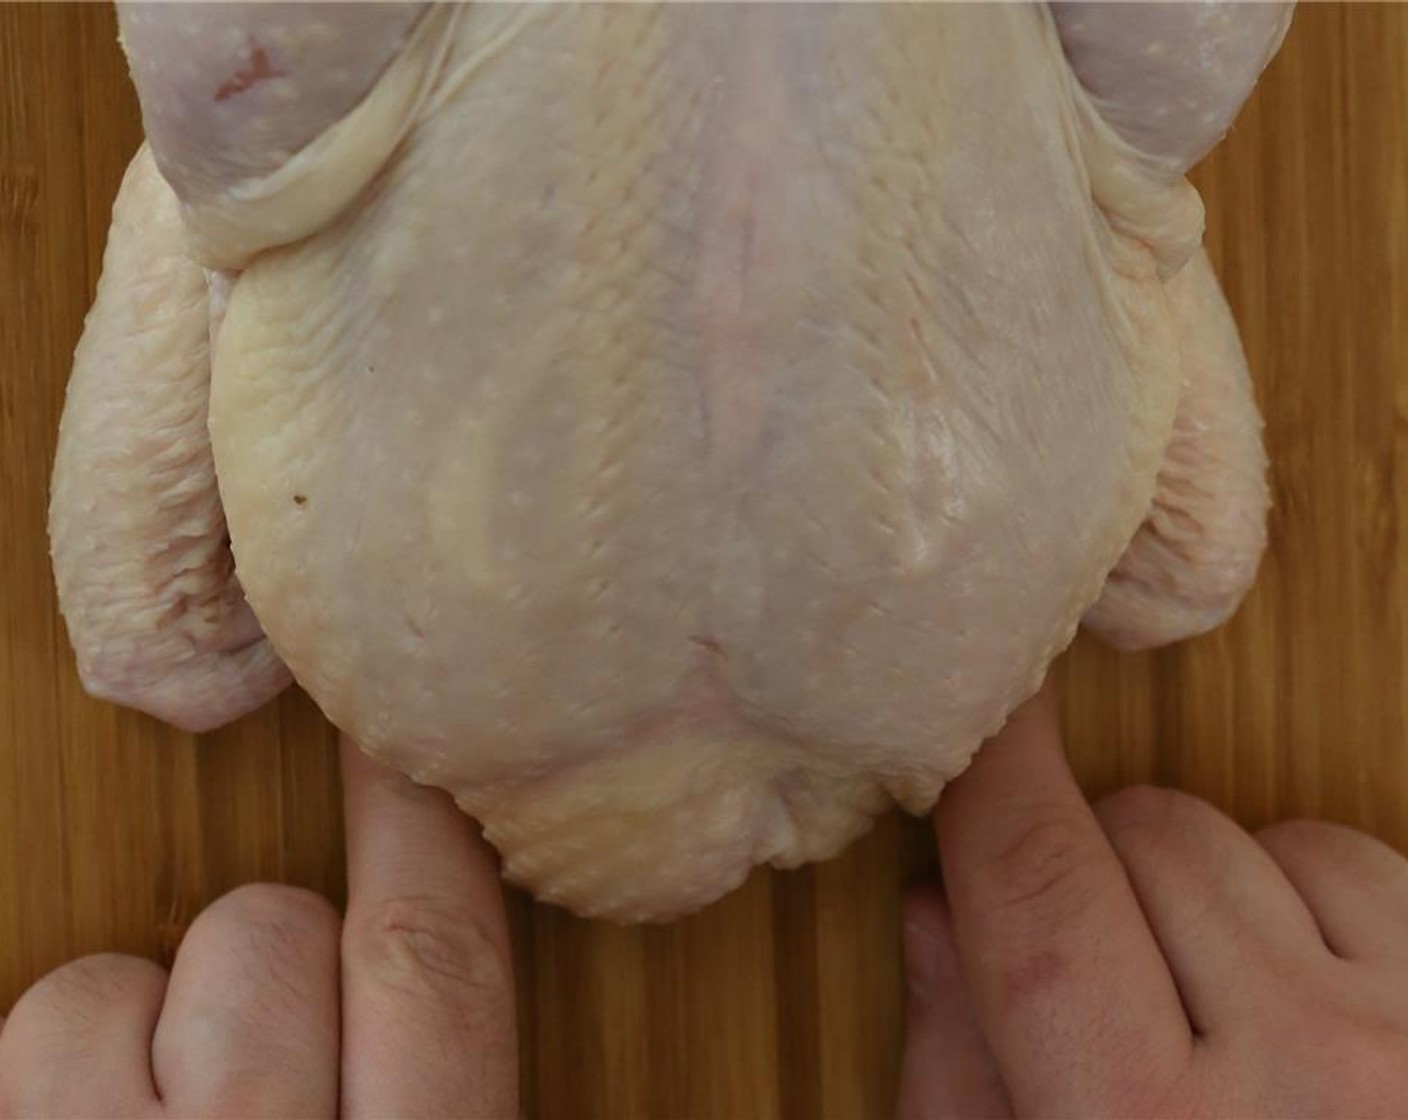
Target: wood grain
{"type": "Point", "coordinates": [784, 999]}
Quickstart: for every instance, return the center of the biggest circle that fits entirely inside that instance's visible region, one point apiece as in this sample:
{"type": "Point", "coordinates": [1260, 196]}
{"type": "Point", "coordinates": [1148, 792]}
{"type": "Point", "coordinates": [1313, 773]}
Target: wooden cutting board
{"type": "Point", "coordinates": [785, 998]}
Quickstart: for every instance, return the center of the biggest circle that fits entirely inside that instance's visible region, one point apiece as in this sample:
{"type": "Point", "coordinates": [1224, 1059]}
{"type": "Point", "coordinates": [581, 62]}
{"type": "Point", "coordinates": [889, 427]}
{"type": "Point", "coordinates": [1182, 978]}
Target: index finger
{"type": "Point", "coordinates": [427, 984]}
{"type": "Point", "coordinates": [1066, 977]}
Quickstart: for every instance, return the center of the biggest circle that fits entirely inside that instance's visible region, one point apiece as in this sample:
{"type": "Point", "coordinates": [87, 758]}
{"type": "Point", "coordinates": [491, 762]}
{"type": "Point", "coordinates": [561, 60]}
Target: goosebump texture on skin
{"type": "Point", "coordinates": [681, 432]}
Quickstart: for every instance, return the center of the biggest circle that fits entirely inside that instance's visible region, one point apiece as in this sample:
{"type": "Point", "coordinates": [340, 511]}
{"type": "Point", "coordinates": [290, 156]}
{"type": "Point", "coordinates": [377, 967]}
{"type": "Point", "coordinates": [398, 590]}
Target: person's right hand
{"type": "Point", "coordinates": [1148, 957]}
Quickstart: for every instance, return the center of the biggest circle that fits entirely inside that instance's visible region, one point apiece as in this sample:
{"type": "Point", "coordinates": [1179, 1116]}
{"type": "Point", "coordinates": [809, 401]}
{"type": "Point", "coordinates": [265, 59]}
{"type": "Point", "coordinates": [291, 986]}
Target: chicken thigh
{"type": "Point", "coordinates": [679, 432]}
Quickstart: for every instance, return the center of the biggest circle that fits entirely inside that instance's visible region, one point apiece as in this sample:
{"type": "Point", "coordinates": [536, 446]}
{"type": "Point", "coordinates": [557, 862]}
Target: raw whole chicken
{"type": "Point", "coordinates": [682, 432]}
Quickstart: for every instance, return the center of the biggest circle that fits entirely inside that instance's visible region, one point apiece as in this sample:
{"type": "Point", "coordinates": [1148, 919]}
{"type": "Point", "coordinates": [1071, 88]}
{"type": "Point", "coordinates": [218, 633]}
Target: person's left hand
{"type": "Point", "coordinates": [276, 1007]}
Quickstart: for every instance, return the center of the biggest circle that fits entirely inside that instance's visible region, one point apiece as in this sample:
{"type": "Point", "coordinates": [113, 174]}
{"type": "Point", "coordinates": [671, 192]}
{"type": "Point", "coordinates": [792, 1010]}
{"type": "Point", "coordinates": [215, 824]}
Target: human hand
{"type": "Point", "coordinates": [276, 1007]}
{"type": "Point", "coordinates": [1147, 957]}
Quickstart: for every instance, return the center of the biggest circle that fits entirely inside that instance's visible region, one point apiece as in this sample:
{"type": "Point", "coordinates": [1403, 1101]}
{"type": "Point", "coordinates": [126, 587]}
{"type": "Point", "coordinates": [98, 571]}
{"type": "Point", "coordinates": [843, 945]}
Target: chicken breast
{"type": "Point", "coordinates": [679, 432]}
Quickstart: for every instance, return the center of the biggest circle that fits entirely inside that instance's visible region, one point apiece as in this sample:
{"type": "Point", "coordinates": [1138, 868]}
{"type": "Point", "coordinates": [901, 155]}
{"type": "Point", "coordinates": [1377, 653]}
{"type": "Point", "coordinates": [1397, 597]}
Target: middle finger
{"type": "Point", "coordinates": [1226, 918]}
{"type": "Point", "coordinates": [251, 1022]}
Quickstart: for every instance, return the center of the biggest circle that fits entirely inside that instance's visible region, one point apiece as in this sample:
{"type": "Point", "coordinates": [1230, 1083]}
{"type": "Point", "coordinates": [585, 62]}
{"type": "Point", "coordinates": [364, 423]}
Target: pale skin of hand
{"type": "Point", "coordinates": [1142, 958]}
{"type": "Point", "coordinates": [277, 1006]}
{"type": "Point", "coordinates": [1146, 957]}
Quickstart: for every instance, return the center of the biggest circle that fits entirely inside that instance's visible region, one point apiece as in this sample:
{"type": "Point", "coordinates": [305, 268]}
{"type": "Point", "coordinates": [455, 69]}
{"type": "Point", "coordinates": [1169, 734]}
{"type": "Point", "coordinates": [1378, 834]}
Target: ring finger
{"type": "Point", "coordinates": [1224, 915]}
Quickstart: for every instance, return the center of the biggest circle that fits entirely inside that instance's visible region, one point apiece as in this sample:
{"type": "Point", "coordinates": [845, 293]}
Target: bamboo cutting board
{"type": "Point", "coordinates": [785, 998]}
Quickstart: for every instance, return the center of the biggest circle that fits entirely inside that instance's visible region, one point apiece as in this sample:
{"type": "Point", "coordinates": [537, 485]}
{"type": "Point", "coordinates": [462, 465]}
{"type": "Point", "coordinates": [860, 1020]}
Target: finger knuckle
{"type": "Point", "coordinates": [1147, 816]}
{"type": "Point", "coordinates": [1301, 836]}
{"type": "Point", "coordinates": [1297, 830]}
{"type": "Point", "coordinates": [1138, 802]}
{"type": "Point", "coordinates": [1137, 806]}
{"type": "Point", "coordinates": [423, 945]}
{"type": "Point", "coordinates": [65, 1013]}
{"type": "Point", "coordinates": [292, 910]}
{"type": "Point", "coordinates": [278, 936]}
{"type": "Point", "coordinates": [1327, 852]}
{"type": "Point", "coordinates": [1046, 871]}
{"type": "Point", "coordinates": [81, 989]}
